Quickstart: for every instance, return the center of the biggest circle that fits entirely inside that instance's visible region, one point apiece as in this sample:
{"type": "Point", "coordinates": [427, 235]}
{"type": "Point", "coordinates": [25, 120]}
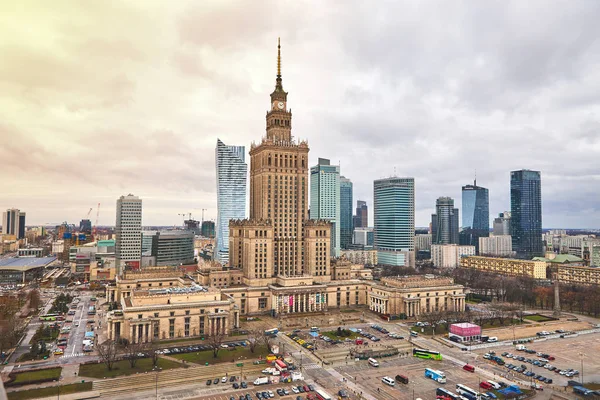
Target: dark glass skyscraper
{"type": "Point", "coordinates": [475, 215]}
{"type": "Point", "coordinates": [346, 220]}
{"type": "Point", "coordinates": [526, 213]}
{"type": "Point", "coordinates": [361, 219]}
{"type": "Point", "coordinates": [444, 223]}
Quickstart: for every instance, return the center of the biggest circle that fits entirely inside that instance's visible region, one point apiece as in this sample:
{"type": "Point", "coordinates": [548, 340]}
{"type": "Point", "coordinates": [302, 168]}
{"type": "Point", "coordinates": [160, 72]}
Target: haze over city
{"type": "Point", "coordinates": [105, 99]}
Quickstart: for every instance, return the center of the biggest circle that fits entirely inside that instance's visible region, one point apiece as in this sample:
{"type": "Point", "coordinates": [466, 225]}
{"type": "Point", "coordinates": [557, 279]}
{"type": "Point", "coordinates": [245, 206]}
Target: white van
{"type": "Point", "coordinates": [388, 381]}
{"type": "Point", "coordinates": [492, 339]}
{"type": "Point", "coordinates": [495, 385]}
{"type": "Point", "coordinates": [520, 347]}
{"type": "Point", "coordinates": [373, 362]}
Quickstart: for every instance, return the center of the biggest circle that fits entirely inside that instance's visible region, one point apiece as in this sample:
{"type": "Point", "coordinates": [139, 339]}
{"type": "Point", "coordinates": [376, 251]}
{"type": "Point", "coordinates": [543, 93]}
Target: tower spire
{"type": "Point", "coordinates": [279, 58]}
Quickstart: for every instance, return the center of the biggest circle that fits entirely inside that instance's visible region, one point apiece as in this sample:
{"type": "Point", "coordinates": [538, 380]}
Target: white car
{"type": "Point", "coordinates": [224, 379]}
{"type": "Point", "coordinates": [271, 394]}
{"type": "Point", "coordinates": [295, 390]}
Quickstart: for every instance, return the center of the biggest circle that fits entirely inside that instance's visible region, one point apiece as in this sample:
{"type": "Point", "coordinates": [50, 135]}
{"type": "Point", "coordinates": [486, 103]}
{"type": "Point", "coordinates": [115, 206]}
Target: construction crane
{"type": "Point", "coordinates": [94, 231]}
{"type": "Point", "coordinates": [204, 209]}
{"type": "Point", "coordinates": [183, 216]}
{"type": "Point", "coordinates": [87, 216]}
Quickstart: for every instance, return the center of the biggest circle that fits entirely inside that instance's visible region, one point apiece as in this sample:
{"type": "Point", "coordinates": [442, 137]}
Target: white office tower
{"type": "Point", "coordinates": [128, 244]}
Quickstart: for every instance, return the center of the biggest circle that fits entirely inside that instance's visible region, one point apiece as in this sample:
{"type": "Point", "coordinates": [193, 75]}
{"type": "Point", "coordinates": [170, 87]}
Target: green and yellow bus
{"type": "Point", "coordinates": [428, 354]}
{"type": "Point", "coordinates": [49, 317]}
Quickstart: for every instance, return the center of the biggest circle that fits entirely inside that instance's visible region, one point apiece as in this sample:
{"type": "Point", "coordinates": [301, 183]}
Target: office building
{"type": "Point", "coordinates": [423, 242]}
{"type": "Point", "coordinates": [444, 223]}
{"type": "Point", "coordinates": [13, 223]}
{"type": "Point", "coordinates": [496, 246]}
{"type": "Point", "coordinates": [325, 199]}
{"type": "Point", "coordinates": [502, 224]}
{"type": "Point", "coordinates": [208, 229]}
{"type": "Point", "coordinates": [361, 219]}
{"type": "Point", "coordinates": [394, 215]}
{"type": "Point", "coordinates": [475, 215]}
{"type": "Point", "coordinates": [526, 213]}
{"type": "Point", "coordinates": [346, 217]}
{"type": "Point", "coordinates": [85, 226]}
{"type": "Point", "coordinates": [128, 233]}
{"type": "Point", "coordinates": [168, 247]}
{"type": "Point", "coordinates": [449, 255]}
{"type": "Point", "coordinates": [231, 193]}
{"type": "Point", "coordinates": [363, 238]}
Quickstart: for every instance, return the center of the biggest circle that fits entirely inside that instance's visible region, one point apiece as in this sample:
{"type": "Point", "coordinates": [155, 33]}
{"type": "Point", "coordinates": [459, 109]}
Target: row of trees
{"type": "Point", "coordinates": [61, 304]}
{"type": "Point", "coordinates": [112, 351]}
{"type": "Point", "coordinates": [11, 326]}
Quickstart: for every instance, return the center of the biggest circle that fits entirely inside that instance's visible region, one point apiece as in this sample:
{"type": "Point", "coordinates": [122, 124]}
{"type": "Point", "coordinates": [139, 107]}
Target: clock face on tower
{"type": "Point", "coordinates": [280, 105]}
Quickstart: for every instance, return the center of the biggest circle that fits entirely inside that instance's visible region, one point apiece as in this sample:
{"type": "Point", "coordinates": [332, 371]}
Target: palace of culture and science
{"type": "Point", "coordinates": [279, 260]}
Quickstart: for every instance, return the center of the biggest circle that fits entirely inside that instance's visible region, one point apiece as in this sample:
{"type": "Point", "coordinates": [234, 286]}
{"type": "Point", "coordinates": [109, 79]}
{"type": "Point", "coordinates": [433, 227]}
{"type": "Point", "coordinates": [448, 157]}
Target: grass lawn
{"type": "Point", "coordinates": [122, 368]}
{"type": "Point", "coordinates": [507, 322]}
{"type": "Point", "coordinates": [29, 357]}
{"type": "Point", "coordinates": [333, 335]}
{"type": "Point", "coordinates": [49, 391]}
{"type": "Point", "coordinates": [23, 378]}
{"type": "Point", "coordinates": [225, 355]}
{"type": "Point", "coordinates": [538, 318]}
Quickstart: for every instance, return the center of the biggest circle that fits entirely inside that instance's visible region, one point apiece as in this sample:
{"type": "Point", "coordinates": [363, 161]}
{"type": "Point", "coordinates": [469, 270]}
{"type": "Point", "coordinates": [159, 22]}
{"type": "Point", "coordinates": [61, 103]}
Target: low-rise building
{"type": "Point", "coordinates": [363, 257]}
{"type": "Point", "coordinates": [449, 255]}
{"type": "Point", "coordinates": [496, 246]}
{"type": "Point", "coordinates": [21, 270]}
{"type": "Point", "coordinates": [506, 266]}
{"type": "Point", "coordinates": [578, 275]}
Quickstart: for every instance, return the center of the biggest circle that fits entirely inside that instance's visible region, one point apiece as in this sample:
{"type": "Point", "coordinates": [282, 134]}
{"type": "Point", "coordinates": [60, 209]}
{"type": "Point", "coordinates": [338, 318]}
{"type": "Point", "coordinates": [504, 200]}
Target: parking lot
{"type": "Point", "coordinates": [568, 353]}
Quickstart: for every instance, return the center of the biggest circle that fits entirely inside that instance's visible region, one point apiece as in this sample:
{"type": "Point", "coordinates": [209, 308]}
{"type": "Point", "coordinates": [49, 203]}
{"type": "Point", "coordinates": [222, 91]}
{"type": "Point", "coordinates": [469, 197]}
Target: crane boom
{"type": "Point", "coordinates": [96, 224]}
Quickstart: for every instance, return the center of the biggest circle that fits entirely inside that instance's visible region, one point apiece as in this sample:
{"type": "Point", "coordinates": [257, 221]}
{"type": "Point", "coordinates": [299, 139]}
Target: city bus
{"type": "Point", "coordinates": [432, 355]}
{"type": "Point", "coordinates": [467, 392]}
{"type": "Point", "coordinates": [437, 376]}
{"type": "Point", "coordinates": [321, 395]}
{"type": "Point", "coordinates": [281, 366]}
{"type": "Point", "coordinates": [444, 394]}
{"type": "Point", "coordinates": [49, 317]}
{"type": "Point", "coordinates": [272, 332]}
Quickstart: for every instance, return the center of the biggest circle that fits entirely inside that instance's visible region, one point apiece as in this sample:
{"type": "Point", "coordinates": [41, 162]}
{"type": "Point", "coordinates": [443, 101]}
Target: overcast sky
{"type": "Point", "coordinates": [101, 99]}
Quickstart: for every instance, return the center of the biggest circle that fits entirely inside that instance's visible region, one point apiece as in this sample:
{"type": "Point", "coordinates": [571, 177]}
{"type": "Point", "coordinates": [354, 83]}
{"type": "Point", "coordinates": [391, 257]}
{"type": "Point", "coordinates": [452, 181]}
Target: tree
{"type": "Point", "coordinates": [11, 327]}
{"type": "Point", "coordinates": [33, 297]}
{"type": "Point", "coordinates": [254, 338]}
{"type": "Point", "coordinates": [133, 352]}
{"type": "Point", "coordinates": [152, 350]}
{"type": "Point", "coordinates": [215, 341]}
{"type": "Point", "coordinates": [108, 353]}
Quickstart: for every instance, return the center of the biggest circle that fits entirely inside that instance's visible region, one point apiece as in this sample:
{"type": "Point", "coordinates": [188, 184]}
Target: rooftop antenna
{"type": "Point", "coordinates": [475, 181]}
{"type": "Point", "coordinates": [394, 171]}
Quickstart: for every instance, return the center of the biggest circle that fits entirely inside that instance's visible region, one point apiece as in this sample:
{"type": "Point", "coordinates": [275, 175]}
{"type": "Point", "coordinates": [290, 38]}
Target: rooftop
{"type": "Point", "coordinates": [25, 263]}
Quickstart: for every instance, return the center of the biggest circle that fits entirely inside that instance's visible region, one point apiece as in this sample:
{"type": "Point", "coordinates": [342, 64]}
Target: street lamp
{"type": "Point", "coordinates": [156, 381]}
{"type": "Point", "coordinates": [581, 356]}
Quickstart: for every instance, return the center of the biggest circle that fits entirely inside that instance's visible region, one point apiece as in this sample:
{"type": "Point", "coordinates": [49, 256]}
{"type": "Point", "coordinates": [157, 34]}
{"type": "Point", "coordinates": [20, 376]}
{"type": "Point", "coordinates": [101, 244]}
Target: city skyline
{"type": "Point", "coordinates": [492, 112]}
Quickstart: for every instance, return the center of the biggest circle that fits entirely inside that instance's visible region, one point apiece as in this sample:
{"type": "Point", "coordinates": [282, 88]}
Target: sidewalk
{"type": "Point", "coordinates": [351, 385]}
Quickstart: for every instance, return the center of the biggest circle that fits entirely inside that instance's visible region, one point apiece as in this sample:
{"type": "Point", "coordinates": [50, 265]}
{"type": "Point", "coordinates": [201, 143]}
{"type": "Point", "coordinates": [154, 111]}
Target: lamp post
{"type": "Point", "coordinates": [581, 357]}
{"type": "Point", "coordinates": [156, 381]}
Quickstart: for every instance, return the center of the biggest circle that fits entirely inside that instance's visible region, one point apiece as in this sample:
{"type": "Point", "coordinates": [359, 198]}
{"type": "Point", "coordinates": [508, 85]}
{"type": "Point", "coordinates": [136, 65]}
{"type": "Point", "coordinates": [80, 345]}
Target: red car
{"type": "Point", "coordinates": [306, 388]}
{"type": "Point", "coordinates": [485, 385]}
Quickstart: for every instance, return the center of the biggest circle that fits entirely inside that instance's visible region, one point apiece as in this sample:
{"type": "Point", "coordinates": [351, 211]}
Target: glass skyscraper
{"type": "Point", "coordinates": [231, 193]}
{"type": "Point", "coordinates": [444, 223]}
{"type": "Point", "coordinates": [325, 199]}
{"type": "Point", "coordinates": [475, 215]}
{"type": "Point", "coordinates": [346, 218]}
{"type": "Point", "coordinates": [394, 217]}
{"type": "Point", "coordinates": [526, 213]}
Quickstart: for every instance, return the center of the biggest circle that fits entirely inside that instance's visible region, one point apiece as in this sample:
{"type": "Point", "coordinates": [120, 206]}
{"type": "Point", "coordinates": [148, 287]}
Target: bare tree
{"type": "Point", "coordinates": [152, 350]}
{"type": "Point", "coordinates": [108, 353]}
{"type": "Point", "coordinates": [215, 341]}
{"type": "Point", "coordinates": [433, 317]}
{"type": "Point", "coordinates": [254, 338]}
{"type": "Point", "coordinates": [133, 352]}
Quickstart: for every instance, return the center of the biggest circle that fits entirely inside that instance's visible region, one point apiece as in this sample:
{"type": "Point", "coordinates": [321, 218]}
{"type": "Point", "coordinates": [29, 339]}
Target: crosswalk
{"type": "Point", "coordinates": [73, 355]}
{"type": "Point", "coordinates": [311, 366]}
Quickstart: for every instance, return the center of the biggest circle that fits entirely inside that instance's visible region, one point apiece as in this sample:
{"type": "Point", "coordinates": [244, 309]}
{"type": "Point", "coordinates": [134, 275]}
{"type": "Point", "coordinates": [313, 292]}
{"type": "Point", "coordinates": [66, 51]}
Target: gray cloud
{"type": "Point", "coordinates": [109, 98]}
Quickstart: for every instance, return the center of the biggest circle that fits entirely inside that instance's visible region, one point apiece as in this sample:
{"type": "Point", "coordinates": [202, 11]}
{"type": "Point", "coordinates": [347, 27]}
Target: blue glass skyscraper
{"type": "Point", "coordinates": [346, 219]}
{"type": "Point", "coordinates": [475, 215]}
{"type": "Point", "coordinates": [231, 193]}
{"type": "Point", "coordinates": [444, 223]}
{"type": "Point", "coordinates": [394, 218]}
{"type": "Point", "coordinates": [526, 213]}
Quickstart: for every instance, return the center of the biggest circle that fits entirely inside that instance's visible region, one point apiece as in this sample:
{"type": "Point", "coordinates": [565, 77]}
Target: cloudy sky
{"type": "Point", "coordinates": [100, 99]}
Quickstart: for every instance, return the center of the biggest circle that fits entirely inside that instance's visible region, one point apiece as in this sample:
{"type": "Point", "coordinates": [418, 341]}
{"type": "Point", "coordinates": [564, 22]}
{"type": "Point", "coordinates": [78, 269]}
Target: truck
{"type": "Point", "coordinates": [437, 376]}
{"type": "Point", "coordinates": [261, 380]}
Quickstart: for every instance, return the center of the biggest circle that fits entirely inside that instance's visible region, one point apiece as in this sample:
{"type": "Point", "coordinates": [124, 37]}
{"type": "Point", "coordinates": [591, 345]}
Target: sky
{"type": "Point", "coordinates": [102, 99]}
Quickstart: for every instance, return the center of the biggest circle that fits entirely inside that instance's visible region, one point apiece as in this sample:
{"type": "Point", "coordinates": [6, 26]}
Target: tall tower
{"type": "Point", "coordinates": [526, 213]}
{"type": "Point", "coordinates": [13, 223]}
{"type": "Point", "coordinates": [325, 198]}
{"type": "Point", "coordinates": [394, 216]}
{"type": "Point", "coordinates": [231, 170]}
{"type": "Point", "coordinates": [346, 219]}
{"type": "Point", "coordinates": [128, 231]}
{"type": "Point", "coordinates": [475, 214]}
{"type": "Point", "coordinates": [277, 240]}
{"type": "Point", "coordinates": [444, 223]}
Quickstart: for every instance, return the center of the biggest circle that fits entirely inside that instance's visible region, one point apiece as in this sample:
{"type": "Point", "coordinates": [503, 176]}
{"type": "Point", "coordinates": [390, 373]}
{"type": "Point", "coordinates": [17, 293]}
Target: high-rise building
{"type": "Point", "coordinates": [13, 223]}
{"type": "Point", "coordinates": [496, 246]}
{"type": "Point", "coordinates": [169, 247]}
{"type": "Point", "coordinates": [394, 216]}
{"type": "Point", "coordinates": [128, 232]}
{"type": "Point", "coordinates": [475, 215]}
{"type": "Point", "coordinates": [325, 198]}
{"type": "Point", "coordinates": [85, 225]}
{"type": "Point", "coordinates": [277, 241]}
{"type": "Point", "coordinates": [444, 223]}
{"type": "Point", "coordinates": [231, 193]}
{"type": "Point", "coordinates": [449, 255]}
{"type": "Point", "coordinates": [526, 213]}
{"type": "Point", "coordinates": [346, 218]}
{"type": "Point", "coordinates": [423, 242]}
{"type": "Point", "coordinates": [502, 224]}
{"type": "Point", "coordinates": [208, 229]}
{"type": "Point", "coordinates": [361, 219]}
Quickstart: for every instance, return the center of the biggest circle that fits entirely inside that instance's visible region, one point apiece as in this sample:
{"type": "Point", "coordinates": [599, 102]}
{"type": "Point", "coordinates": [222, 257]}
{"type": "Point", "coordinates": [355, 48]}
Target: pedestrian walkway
{"type": "Point", "coordinates": [351, 385]}
{"type": "Point", "coordinates": [73, 355]}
